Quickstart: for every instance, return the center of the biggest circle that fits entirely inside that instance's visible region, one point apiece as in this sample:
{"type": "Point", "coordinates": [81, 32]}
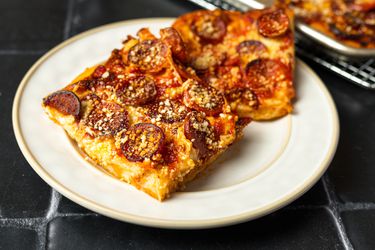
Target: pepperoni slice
{"type": "Point", "coordinates": [210, 28]}
{"type": "Point", "coordinates": [136, 90]}
{"type": "Point", "coordinates": [251, 47]}
{"type": "Point", "coordinates": [66, 102]}
{"type": "Point", "coordinates": [273, 24]}
{"type": "Point", "coordinates": [149, 55]}
{"type": "Point", "coordinates": [108, 119]}
{"type": "Point", "coordinates": [244, 95]}
{"type": "Point", "coordinates": [172, 38]}
{"type": "Point", "coordinates": [168, 111]}
{"type": "Point", "coordinates": [143, 140]}
{"type": "Point", "coordinates": [199, 131]}
{"type": "Point", "coordinates": [264, 74]}
{"type": "Point", "coordinates": [203, 98]}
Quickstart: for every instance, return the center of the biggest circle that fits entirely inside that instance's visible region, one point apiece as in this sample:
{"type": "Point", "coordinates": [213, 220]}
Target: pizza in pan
{"type": "Point", "coordinates": [144, 117]}
{"type": "Point", "coordinates": [248, 57]}
{"type": "Point", "coordinates": [349, 21]}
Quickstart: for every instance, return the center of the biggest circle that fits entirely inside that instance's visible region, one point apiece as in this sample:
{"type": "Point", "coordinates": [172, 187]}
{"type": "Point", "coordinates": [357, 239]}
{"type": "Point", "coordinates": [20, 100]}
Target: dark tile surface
{"type": "Point", "coordinates": [22, 191]}
{"type": "Point", "coordinates": [37, 25]}
{"type": "Point", "coordinates": [352, 171]}
{"type": "Point", "coordinates": [316, 196]}
{"type": "Point", "coordinates": [68, 206]}
{"type": "Point", "coordinates": [17, 238]}
{"type": "Point", "coordinates": [92, 13]}
{"type": "Point", "coordinates": [360, 227]}
{"type": "Point", "coordinates": [282, 230]}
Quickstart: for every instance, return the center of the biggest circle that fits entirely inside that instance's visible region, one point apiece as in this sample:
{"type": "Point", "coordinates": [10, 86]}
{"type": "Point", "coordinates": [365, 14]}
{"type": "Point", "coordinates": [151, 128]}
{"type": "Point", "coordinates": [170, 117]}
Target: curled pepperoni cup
{"type": "Point", "coordinates": [168, 111]}
{"type": "Point", "coordinates": [210, 28]}
{"type": "Point", "coordinates": [203, 98]}
{"type": "Point", "coordinates": [149, 55]}
{"type": "Point", "coordinates": [273, 24]}
{"type": "Point", "coordinates": [172, 38]}
{"type": "Point", "coordinates": [243, 95]}
{"type": "Point", "coordinates": [136, 90]}
{"type": "Point", "coordinates": [107, 119]}
{"type": "Point", "coordinates": [143, 140]}
{"type": "Point", "coordinates": [251, 47]}
{"type": "Point", "coordinates": [66, 102]}
{"type": "Point", "coordinates": [199, 131]}
{"type": "Point", "coordinates": [264, 74]}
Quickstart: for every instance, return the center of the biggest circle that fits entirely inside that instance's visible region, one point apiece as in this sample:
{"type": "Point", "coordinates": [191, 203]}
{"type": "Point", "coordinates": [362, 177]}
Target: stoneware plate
{"type": "Point", "coordinates": [274, 164]}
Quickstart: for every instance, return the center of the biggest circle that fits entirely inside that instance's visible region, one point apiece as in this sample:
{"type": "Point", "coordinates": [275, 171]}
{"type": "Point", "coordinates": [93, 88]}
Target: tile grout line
{"type": "Point", "coordinates": [50, 215]}
{"type": "Point", "coordinates": [353, 206]}
{"type": "Point", "coordinates": [334, 209]}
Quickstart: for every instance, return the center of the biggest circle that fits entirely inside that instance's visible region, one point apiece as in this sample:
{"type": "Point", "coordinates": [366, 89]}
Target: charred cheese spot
{"type": "Point", "coordinates": [136, 90]}
{"type": "Point", "coordinates": [143, 141]}
{"type": "Point", "coordinates": [203, 98]}
{"type": "Point", "coordinates": [149, 55]}
{"type": "Point", "coordinates": [66, 102]}
{"type": "Point", "coordinates": [107, 119]}
{"type": "Point", "coordinates": [273, 24]}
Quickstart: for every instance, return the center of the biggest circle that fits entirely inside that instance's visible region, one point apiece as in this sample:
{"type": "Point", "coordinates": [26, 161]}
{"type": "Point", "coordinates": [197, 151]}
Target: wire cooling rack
{"type": "Point", "coordinates": [360, 72]}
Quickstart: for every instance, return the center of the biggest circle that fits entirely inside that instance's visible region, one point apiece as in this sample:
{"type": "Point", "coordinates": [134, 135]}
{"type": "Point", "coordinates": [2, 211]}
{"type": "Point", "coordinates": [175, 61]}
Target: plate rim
{"type": "Point", "coordinates": [154, 222]}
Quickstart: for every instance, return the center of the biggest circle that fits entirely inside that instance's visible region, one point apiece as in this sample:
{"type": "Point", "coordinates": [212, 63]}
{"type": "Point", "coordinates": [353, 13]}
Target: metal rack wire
{"type": "Point", "coordinates": [360, 72]}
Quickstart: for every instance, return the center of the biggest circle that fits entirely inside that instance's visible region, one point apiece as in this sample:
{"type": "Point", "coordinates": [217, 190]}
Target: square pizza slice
{"type": "Point", "coordinates": [249, 57]}
{"type": "Point", "coordinates": [144, 118]}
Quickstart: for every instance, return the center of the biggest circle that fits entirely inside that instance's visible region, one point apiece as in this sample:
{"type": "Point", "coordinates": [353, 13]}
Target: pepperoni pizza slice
{"type": "Point", "coordinates": [144, 118]}
{"type": "Point", "coordinates": [249, 57]}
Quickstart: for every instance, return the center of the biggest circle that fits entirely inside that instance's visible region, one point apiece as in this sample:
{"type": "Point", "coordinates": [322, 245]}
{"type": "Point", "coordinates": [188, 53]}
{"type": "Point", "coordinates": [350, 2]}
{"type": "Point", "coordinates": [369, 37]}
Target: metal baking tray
{"type": "Point", "coordinates": [333, 46]}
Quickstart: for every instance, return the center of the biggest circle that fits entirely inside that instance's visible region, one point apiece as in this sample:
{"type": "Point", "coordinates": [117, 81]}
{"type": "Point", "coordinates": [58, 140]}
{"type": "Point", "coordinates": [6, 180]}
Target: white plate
{"type": "Point", "coordinates": [275, 162]}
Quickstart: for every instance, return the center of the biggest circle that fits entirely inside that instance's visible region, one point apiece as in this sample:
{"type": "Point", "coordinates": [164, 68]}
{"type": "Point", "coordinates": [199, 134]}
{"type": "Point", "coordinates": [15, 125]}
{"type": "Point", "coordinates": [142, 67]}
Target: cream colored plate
{"type": "Point", "coordinates": [275, 162]}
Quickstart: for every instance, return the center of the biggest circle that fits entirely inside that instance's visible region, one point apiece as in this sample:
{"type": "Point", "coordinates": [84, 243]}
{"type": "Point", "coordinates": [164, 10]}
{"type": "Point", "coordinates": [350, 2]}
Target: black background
{"type": "Point", "coordinates": [337, 213]}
